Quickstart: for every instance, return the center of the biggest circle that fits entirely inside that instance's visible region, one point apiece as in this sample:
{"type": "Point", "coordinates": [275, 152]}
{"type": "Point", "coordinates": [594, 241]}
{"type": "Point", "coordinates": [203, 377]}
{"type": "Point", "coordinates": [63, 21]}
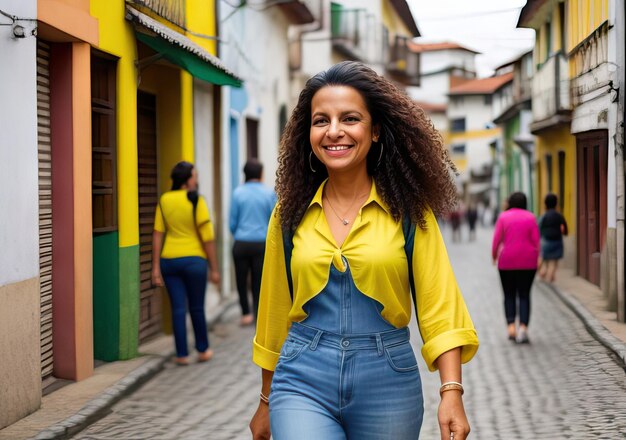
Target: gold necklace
{"type": "Point", "coordinates": [343, 220]}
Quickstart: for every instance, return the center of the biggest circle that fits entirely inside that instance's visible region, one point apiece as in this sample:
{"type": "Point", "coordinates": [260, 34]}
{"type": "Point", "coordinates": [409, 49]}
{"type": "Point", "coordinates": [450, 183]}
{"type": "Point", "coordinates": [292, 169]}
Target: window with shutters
{"type": "Point", "coordinates": [104, 193]}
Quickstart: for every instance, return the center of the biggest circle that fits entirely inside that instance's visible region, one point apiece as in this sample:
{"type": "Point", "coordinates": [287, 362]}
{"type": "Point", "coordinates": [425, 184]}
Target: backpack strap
{"type": "Point", "coordinates": [408, 229]}
{"type": "Point", "coordinates": [193, 197]}
{"type": "Point", "coordinates": [288, 249]}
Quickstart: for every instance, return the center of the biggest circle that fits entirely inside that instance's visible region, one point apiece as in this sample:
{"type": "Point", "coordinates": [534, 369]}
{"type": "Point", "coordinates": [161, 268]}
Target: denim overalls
{"type": "Point", "coordinates": [346, 373]}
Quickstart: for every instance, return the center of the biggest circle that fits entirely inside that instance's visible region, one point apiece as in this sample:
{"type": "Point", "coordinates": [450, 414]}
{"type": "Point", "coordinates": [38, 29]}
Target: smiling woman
{"type": "Point", "coordinates": [359, 163]}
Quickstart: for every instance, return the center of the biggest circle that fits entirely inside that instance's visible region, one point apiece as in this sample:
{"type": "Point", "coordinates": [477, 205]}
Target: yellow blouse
{"type": "Point", "coordinates": [375, 252]}
{"type": "Point", "coordinates": [176, 220]}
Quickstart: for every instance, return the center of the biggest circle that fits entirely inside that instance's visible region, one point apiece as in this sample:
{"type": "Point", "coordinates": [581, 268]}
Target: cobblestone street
{"type": "Point", "coordinates": [564, 385]}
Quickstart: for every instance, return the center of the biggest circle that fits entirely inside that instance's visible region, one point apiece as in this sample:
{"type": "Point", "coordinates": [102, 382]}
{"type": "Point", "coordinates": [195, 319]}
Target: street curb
{"type": "Point", "coordinates": [100, 405]}
{"type": "Point", "coordinates": [595, 327]}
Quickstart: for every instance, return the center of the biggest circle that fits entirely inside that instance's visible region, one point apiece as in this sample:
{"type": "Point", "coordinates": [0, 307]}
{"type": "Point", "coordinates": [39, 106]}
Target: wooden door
{"type": "Point", "coordinates": [592, 149]}
{"type": "Point", "coordinates": [150, 297]}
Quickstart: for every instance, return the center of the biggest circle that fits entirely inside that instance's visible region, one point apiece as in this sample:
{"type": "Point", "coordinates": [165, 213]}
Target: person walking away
{"type": "Point", "coordinates": [552, 227]}
{"type": "Point", "coordinates": [455, 221]}
{"type": "Point", "coordinates": [515, 248]}
{"type": "Point", "coordinates": [250, 211]}
{"type": "Point", "coordinates": [182, 244]}
{"type": "Point", "coordinates": [472, 216]}
{"type": "Point", "coordinates": [362, 176]}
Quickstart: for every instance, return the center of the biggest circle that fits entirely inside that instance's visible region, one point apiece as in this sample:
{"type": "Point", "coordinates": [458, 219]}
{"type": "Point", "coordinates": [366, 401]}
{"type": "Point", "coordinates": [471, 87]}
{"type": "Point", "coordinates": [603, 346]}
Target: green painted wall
{"type": "Point", "coordinates": [129, 301]}
{"type": "Point", "coordinates": [115, 298]}
{"type": "Point", "coordinates": [106, 298]}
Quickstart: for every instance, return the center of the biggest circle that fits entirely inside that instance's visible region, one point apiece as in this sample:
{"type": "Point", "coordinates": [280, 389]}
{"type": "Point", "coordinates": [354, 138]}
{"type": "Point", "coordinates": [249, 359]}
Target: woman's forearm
{"type": "Point", "coordinates": [211, 254]}
{"type": "Point", "coordinates": [266, 376]}
{"type": "Point", "coordinates": [157, 245]}
{"type": "Point", "coordinates": [449, 366]}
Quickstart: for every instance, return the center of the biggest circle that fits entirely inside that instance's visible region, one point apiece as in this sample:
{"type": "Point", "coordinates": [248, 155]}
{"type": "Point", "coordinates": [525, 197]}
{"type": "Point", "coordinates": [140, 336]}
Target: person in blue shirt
{"type": "Point", "coordinates": [250, 213]}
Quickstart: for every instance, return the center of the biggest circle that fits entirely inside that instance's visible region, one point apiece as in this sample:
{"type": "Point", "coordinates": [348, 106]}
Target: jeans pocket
{"type": "Point", "coordinates": [401, 358]}
{"type": "Point", "coordinates": [291, 349]}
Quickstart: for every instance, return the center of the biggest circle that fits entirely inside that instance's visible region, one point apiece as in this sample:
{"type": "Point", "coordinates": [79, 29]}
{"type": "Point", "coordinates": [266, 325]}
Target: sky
{"type": "Point", "coordinates": [487, 26]}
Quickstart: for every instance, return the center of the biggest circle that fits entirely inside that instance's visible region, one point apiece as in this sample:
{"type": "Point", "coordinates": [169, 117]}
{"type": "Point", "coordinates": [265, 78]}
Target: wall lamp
{"type": "Point", "coordinates": [19, 31]}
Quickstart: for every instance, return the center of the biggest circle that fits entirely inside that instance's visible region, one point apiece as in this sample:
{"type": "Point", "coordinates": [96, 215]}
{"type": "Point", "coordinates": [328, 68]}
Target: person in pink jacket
{"type": "Point", "coordinates": [515, 247]}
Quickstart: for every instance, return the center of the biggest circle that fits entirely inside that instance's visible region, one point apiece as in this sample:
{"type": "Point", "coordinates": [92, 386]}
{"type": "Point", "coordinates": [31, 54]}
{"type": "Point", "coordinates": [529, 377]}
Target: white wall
{"type": "Point", "coordinates": [19, 236]}
{"type": "Point", "coordinates": [265, 72]}
{"type": "Point", "coordinates": [433, 88]}
{"type": "Point", "coordinates": [435, 79]}
{"type": "Point", "coordinates": [434, 61]}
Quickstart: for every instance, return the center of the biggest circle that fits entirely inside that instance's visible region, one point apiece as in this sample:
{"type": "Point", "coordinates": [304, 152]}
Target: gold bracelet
{"type": "Point", "coordinates": [265, 399]}
{"type": "Point", "coordinates": [451, 386]}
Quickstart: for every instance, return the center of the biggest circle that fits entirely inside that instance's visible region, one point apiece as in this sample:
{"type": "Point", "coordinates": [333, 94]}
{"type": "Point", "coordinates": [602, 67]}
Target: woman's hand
{"type": "Point", "coordinates": [215, 277]}
{"type": "Point", "coordinates": [452, 418]}
{"type": "Point", "coordinates": [157, 279]}
{"type": "Point", "coordinates": [260, 424]}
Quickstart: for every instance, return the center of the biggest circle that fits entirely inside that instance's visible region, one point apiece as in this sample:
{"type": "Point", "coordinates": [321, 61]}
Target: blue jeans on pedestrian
{"type": "Point", "coordinates": [346, 373]}
{"type": "Point", "coordinates": [185, 279]}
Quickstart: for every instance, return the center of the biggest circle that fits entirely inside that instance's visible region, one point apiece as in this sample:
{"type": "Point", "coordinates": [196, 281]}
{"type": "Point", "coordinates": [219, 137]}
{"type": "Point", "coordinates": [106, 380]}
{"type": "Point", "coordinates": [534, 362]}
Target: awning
{"type": "Point", "coordinates": [180, 50]}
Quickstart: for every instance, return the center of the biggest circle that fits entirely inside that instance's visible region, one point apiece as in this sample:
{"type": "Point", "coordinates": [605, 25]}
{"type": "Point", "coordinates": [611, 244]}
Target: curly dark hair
{"type": "Point", "coordinates": [415, 172]}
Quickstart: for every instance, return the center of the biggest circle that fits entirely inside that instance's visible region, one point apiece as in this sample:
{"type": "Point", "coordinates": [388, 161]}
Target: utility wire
{"type": "Point", "coordinates": [469, 14]}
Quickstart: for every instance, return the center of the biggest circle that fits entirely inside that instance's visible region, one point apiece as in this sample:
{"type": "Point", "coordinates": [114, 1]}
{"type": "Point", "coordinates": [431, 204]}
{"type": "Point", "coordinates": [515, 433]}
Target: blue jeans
{"type": "Point", "coordinates": [361, 387]}
{"type": "Point", "coordinates": [185, 279]}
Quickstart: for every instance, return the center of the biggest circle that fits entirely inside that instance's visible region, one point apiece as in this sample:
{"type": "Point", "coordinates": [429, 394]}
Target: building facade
{"type": "Point", "coordinates": [578, 119]}
{"type": "Point", "coordinates": [514, 169]}
{"type": "Point", "coordinates": [473, 137]}
{"type": "Point", "coordinates": [21, 366]}
{"type": "Point", "coordinates": [555, 146]}
{"type": "Point", "coordinates": [108, 111]}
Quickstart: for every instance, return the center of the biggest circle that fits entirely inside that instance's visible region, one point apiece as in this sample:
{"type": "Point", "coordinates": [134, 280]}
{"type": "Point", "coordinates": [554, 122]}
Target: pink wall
{"type": "Point", "coordinates": [71, 210]}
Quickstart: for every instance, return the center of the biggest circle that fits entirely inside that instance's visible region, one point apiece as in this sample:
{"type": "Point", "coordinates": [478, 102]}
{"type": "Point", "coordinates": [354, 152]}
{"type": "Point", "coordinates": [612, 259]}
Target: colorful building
{"type": "Point", "coordinates": [376, 33]}
{"type": "Point", "coordinates": [20, 323]}
{"type": "Point", "coordinates": [124, 90]}
{"type": "Point", "coordinates": [594, 124]}
{"type": "Point", "coordinates": [473, 137]}
{"type": "Point", "coordinates": [442, 66]}
{"type": "Point", "coordinates": [555, 147]}
{"type": "Point", "coordinates": [512, 111]}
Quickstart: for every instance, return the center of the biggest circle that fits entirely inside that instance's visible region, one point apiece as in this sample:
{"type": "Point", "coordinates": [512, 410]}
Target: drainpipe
{"type": "Point", "coordinates": [618, 20]}
{"type": "Point", "coordinates": [317, 25]}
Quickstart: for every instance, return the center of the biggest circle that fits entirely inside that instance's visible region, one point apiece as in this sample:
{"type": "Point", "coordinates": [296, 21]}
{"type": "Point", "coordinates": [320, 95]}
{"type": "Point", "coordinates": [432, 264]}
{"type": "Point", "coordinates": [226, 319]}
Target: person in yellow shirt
{"type": "Point", "coordinates": [182, 220]}
{"type": "Point", "coordinates": [358, 162]}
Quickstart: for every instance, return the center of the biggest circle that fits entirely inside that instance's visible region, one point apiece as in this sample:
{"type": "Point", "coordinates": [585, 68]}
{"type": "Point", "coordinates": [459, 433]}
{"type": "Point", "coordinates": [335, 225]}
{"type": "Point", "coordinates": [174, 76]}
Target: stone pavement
{"type": "Point", "coordinates": [565, 384]}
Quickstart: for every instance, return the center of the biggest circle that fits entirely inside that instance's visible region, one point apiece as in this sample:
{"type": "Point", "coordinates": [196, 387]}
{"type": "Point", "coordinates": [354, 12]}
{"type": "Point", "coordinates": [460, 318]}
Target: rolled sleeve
{"type": "Point", "coordinates": [158, 220]}
{"type": "Point", "coordinates": [264, 358]}
{"type": "Point", "coordinates": [465, 338]}
{"type": "Point", "coordinates": [442, 315]}
{"type": "Point", "coordinates": [274, 301]}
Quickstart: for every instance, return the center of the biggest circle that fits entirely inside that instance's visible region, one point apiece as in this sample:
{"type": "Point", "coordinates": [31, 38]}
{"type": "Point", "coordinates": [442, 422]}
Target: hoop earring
{"type": "Point", "coordinates": [311, 162]}
{"type": "Point", "coordinates": [380, 156]}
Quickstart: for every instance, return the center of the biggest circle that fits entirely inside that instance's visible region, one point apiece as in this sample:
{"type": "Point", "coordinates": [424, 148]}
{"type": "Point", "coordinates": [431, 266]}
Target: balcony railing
{"type": "Point", "coordinates": [171, 10]}
{"type": "Point", "coordinates": [403, 64]}
{"type": "Point", "coordinates": [357, 35]}
{"type": "Point", "coordinates": [551, 102]}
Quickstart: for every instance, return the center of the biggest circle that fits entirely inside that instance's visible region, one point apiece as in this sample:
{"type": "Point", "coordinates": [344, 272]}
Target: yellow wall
{"type": "Point", "coordinates": [474, 134]}
{"type": "Point", "coordinates": [551, 142]}
{"type": "Point", "coordinates": [393, 22]}
{"type": "Point", "coordinates": [584, 16]}
{"type": "Point", "coordinates": [174, 90]}
{"type": "Point", "coordinates": [117, 38]}
{"type": "Point", "coordinates": [200, 18]}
